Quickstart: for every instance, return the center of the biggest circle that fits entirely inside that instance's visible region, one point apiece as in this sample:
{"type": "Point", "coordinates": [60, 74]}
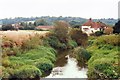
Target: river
{"type": "Point", "coordinates": [70, 70]}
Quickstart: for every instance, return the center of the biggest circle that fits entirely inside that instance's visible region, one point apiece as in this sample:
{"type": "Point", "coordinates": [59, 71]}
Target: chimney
{"type": "Point", "coordinates": [90, 19]}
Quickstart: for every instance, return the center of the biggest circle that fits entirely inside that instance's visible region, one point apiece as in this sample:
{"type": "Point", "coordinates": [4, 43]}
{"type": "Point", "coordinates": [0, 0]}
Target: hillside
{"type": "Point", "coordinates": [50, 20]}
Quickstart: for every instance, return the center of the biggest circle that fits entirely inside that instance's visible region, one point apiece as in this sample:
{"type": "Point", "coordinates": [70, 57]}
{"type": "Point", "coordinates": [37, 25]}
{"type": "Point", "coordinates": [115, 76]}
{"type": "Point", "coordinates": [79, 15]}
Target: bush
{"type": "Point", "coordinates": [72, 44]}
{"type": "Point", "coordinates": [80, 37]}
{"type": "Point", "coordinates": [5, 73]}
{"type": "Point", "coordinates": [104, 60]}
{"type": "Point", "coordinates": [82, 56]}
{"type": "Point", "coordinates": [27, 71]}
{"type": "Point", "coordinates": [98, 33]}
{"type": "Point", "coordinates": [108, 39]}
{"type": "Point", "coordinates": [32, 43]}
{"type": "Point", "coordinates": [41, 52]}
{"type": "Point", "coordinates": [5, 62]}
{"type": "Point", "coordinates": [61, 30]}
{"type": "Point", "coordinates": [54, 42]}
{"type": "Point", "coordinates": [7, 27]}
{"type": "Point", "coordinates": [39, 57]}
{"type": "Point", "coordinates": [62, 46]}
{"type": "Point", "coordinates": [102, 66]}
{"type": "Point", "coordinates": [45, 67]}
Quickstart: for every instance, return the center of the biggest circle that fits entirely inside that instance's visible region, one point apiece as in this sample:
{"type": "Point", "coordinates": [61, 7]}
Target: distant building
{"type": "Point", "coordinates": [91, 27]}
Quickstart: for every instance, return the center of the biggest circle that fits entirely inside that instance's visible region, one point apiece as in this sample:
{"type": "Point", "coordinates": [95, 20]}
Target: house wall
{"type": "Point", "coordinates": [89, 30]}
{"type": "Point", "coordinates": [86, 29]}
{"type": "Point", "coordinates": [94, 30]}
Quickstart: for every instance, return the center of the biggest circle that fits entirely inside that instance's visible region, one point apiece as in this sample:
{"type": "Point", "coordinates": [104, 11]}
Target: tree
{"type": "Point", "coordinates": [80, 37]}
{"type": "Point", "coordinates": [116, 28]}
{"type": "Point", "coordinates": [61, 30]}
{"type": "Point", "coordinates": [40, 22]}
{"type": "Point", "coordinates": [7, 27]}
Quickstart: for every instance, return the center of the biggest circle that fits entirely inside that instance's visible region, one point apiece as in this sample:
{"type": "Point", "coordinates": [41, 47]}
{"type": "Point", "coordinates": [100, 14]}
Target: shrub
{"type": "Point", "coordinates": [27, 71]}
{"type": "Point", "coordinates": [111, 39]}
{"type": "Point", "coordinates": [61, 30]}
{"type": "Point", "coordinates": [62, 46]}
{"type": "Point", "coordinates": [108, 30]}
{"type": "Point", "coordinates": [5, 73]}
{"type": "Point", "coordinates": [32, 43]}
{"type": "Point", "coordinates": [98, 33]}
{"type": "Point", "coordinates": [104, 60]}
{"type": "Point", "coordinates": [116, 28]}
{"type": "Point", "coordinates": [82, 56]}
{"type": "Point", "coordinates": [102, 66]}
{"type": "Point", "coordinates": [45, 67]}
{"type": "Point", "coordinates": [78, 36]}
{"type": "Point", "coordinates": [16, 62]}
{"type": "Point", "coordinates": [5, 62]}
{"type": "Point", "coordinates": [41, 52]}
{"type": "Point", "coordinates": [7, 27]}
{"type": "Point", "coordinates": [53, 41]}
{"type": "Point", "coordinates": [72, 44]}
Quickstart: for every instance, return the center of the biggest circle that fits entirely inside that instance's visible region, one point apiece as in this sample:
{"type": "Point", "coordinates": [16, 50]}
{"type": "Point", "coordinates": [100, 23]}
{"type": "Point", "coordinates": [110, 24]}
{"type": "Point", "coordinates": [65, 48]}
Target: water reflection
{"type": "Point", "coordinates": [70, 70]}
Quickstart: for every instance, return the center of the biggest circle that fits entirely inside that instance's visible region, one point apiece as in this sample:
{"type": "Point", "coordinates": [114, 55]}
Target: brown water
{"type": "Point", "coordinates": [61, 60]}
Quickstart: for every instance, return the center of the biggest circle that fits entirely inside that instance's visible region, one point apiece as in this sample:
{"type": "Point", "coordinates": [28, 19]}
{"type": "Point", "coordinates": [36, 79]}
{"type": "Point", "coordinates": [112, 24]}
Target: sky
{"type": "Point", "coordinates": [95, 9]}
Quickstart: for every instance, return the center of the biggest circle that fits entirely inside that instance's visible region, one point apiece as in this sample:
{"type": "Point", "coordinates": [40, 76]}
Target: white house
{"type": "Point", "coordinates": [91, 27]}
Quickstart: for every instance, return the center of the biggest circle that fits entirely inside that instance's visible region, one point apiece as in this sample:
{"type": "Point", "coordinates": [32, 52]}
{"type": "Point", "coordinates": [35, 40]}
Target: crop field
{"type": "Point", "coordinates": [21, 34]}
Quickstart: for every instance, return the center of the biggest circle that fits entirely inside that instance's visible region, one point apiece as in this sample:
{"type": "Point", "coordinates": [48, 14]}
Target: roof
{"type": "Point", "coordinates": [94, 24]}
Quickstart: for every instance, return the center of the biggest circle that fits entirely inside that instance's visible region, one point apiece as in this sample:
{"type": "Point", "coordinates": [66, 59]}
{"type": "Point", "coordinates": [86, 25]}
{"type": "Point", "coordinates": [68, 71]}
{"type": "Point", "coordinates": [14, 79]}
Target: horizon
{"type": "Point", "coordinates": [54, 16]}
{"type": "Point", "coordinates": [95, 9]}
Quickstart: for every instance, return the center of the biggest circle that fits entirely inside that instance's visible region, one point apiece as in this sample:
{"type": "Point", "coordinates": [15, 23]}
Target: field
{"type": "Point", "coordinates": [19, 36]}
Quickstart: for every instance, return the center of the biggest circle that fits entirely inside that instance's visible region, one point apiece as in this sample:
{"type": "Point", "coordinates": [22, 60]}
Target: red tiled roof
{"type": "Point", "coordinates": [94, 24]}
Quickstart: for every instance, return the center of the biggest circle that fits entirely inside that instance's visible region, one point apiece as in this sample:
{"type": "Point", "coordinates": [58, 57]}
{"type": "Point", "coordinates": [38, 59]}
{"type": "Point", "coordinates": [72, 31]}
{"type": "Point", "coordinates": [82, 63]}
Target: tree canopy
{"type": "Point", "coordinates": [117, 27]}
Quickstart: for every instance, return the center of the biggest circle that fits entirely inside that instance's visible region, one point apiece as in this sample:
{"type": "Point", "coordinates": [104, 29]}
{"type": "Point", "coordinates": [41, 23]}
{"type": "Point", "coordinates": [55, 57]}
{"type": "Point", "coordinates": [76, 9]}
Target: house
{"type": "Point", "coordinates": [91, 27]}
{"type": "Point", "coordinates": [44, 27]}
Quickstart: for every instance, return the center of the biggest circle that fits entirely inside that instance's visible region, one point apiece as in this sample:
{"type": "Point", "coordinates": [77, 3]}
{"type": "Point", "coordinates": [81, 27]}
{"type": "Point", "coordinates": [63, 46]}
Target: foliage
{"type": "Point", "coordinates": [7, 27]}
{"type": "Point", "coordinates": [41, 58]}
{"type": "Point", "coordinates": [98, 33]}
{"type": "Point", "coordinates": [116, 28]}
{"type": "Point", "coordinates": [44, 67]}
{"type": "Point", "coordinates": [111, 39]}
{"type": "Point", "coordinates": [104, 57]}
{"type": "Point", "coordinates": [80, 37]}
{"type": "Point", "coordinates": [53, 41]}
{"type": "Point", "coordinates": [72, 44]}
{"type": "Point", "coordinates": [5, 62]}
{"type": "Point", "coordinates": [50, 20]}
{"type": "Point", "coordinates": [40, 22]}
{"type": "Point", "coordinates": [27, 71]}
{"type": "Point", "coordinates": [5, 72]}
{"type": "Point", "coordinates": [61, 30]}
{"type": "Point", "coordinates": [82, 56]}
{"type": "Point", "coordinates": [32, 43]}
{"type": "Point", "coordinates": [108, 30]}
{"type": "Point", "coordinates": [27, 26]}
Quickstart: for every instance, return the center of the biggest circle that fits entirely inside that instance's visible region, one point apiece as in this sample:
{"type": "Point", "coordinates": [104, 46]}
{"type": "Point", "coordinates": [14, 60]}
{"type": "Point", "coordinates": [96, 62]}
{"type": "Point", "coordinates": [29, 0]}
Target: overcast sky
{"type": "Point", "coordinates": [76, 8]}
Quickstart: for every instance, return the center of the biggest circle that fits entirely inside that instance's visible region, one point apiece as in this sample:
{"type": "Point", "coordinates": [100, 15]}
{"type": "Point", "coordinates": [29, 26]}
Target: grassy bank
{"type": "Point", "coordinates": [104, 52]}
